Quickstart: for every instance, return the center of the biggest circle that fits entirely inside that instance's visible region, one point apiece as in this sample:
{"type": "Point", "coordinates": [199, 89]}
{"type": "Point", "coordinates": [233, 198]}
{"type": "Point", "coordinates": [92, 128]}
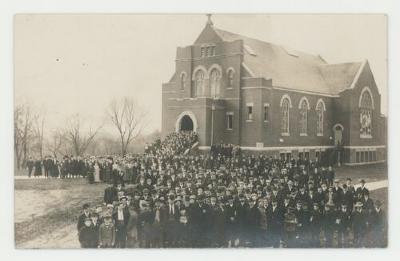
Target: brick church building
{"type": "Point", "coordinates": [268, 99]}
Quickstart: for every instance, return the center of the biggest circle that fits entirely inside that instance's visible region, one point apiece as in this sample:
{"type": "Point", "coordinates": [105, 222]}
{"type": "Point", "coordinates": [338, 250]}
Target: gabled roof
{"type": "Point", "coordinates": [289, 68]}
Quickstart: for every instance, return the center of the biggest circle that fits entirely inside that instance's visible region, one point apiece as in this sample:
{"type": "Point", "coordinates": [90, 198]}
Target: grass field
{"type": "Point", "coordinates": [46, 210]}
{"type": "Point", "coordinates": [50, 208]}
{"type": "Point", "coordinates": [369, 173]}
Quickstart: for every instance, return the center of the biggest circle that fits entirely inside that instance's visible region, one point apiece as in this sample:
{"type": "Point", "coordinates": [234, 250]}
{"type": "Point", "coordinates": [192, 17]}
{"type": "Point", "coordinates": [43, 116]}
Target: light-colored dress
{"type": "Point", "coordinates": [96, 173]}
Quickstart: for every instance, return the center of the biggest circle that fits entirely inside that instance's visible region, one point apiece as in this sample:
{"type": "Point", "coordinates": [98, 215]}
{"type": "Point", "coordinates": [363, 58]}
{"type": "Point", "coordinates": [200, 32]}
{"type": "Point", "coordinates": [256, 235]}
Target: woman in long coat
{"type": "Point", "coordinates": [38, 168]}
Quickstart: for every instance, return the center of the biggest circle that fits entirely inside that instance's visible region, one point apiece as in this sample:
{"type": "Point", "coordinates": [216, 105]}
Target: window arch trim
{"type": "Point", "coordinates": [366, 89]}
{"type": "Point", "coordinates": [212, 67]}
{"type": "Point", "coordinates": [286, 96]}
{"type": "Point", "coordinates": [304, 98]}
{"type": "Point", "coordinates": [182, 76]}
{"type": "Point", "coordinates": [200, 68]}
{"type": "Point", "coordinates": [230, 72]}
{"type": "Point", "coordinates": [320, 101]}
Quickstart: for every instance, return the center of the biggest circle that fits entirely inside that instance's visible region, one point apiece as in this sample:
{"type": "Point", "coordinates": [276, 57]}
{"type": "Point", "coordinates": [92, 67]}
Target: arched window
{"type": "Point", "coordinates": [366, 105]}
{"type": "Point", "coordinates": [198, 84]}
{"type": "Point", "coordinates": [303, 117]}
{"type": "Point", "coordinates": [215, 77]}
{"type": "Point", "coordinates": [320, 117]}
{"type": "Point", "coordinates": [183, 80]}
{"type": "Point", "coordinates": [230, 78]}
{"type": "Point", "coordinates": [285, 105]}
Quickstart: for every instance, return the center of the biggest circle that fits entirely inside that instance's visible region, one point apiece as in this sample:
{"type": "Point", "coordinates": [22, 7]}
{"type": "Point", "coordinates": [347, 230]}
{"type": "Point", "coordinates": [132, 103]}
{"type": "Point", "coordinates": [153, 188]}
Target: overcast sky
{"type": "Point", "coordinates": [67, 64]}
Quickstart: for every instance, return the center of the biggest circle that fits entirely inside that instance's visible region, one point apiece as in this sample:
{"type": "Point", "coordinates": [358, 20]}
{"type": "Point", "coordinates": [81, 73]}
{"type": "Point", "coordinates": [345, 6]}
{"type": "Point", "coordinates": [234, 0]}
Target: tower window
{"type": "Point", "coordinates": [229, 120]}
{"type": "Point", "coordinates": [230, 78]}
{"type": "Point", "coordinates": [250, 112]}
{"type": "Point", "coordinates": [266, 112]}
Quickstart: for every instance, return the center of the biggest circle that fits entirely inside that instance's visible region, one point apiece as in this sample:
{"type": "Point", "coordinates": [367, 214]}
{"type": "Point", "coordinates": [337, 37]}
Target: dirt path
{"type": "Point", "coordinates": [65, 237]}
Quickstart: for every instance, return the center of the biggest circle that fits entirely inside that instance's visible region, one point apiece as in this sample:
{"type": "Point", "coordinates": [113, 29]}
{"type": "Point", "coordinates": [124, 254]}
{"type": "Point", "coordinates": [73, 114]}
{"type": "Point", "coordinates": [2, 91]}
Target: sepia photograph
{"type": "Point", "coordinates": [200, 131]}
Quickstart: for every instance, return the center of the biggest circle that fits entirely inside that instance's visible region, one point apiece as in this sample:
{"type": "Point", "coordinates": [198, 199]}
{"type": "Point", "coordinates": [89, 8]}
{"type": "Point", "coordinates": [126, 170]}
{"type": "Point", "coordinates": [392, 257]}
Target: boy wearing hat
{"type": "Point", "coordinates": [88, 238]}
{"type": "Point", "coordinates": [107, 232]}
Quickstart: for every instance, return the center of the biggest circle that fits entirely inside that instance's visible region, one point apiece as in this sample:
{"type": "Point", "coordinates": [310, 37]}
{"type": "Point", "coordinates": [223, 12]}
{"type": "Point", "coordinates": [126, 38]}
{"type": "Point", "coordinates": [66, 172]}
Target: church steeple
{"type": "Point", "coordinates": [209, 21]}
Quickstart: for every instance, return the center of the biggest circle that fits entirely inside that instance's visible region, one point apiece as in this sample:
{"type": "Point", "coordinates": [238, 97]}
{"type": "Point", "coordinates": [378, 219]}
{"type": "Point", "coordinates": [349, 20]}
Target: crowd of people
{"type": "Point", "coordinates": [170, 198]}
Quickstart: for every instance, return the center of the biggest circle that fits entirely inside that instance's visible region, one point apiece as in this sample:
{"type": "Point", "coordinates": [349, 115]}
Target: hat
{"type": "Point", "coordinates": [94, 215]}
{"type": "Point", "coordinates": [358, 204]}
{"type": "Point", "coordinates": [330, 204]}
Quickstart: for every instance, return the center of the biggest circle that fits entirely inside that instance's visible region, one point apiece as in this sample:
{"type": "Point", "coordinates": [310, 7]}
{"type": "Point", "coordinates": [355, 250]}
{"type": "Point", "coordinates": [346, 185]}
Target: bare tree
{"type": "Point", "coordinates": [23, 121]}
{"type": "Point", "coordinates": [38, 132]}
{"type": "Point", "coordinates": [78, 137]}
{"type": "Point", "coordinates": [56, 141]}
{"type": "Point", "coordinates": [128, 118]}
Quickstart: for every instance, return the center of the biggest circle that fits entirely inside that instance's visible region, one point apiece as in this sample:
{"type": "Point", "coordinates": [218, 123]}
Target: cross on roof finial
{"type": "Point", "coordinates": [209, 22]}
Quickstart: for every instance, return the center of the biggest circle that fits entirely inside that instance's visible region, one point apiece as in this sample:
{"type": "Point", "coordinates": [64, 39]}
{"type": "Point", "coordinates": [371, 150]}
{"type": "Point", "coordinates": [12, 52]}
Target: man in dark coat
{"type": "Point", "coordinates": [347, 197]}
{"type": "Point", "coordinates": [230, 221]}
{"type": "Point", "coordinates": [328, 222]}
{"type": "Point", "coordinates": [110, 194]}
{"type": "Point", "coordinates": [38, 168]}
{"type": "Point", "coordinates": [145, 223]}
{"type": "Point", "coordinates": [241, 211]}
{"type": "Point", "coordinates": [275, 216]}
{"type": "Point", "coordinates": [378, 225]}
{"type": "Point", "coordinates": [343, 225]}
{"type": "Point", "coordinates": [46, 166]}
{"type": "Point", "coordinates": [203, 222]}
{"type": "Point", "coordinates": [360, 191]}
{"type": "Point", "coordinates": [216, 235]}
{"type": "Point", "coordinates": [302, 224]}
{"type": "Point", "coordinates": [172, 216]}
{"type": "Point", "coordinates": [315, 225]}
{"type": "Point", "coordinates": [83, 216]}
{"type": "Point", "coordinates": [252, 221]}
{"type": "Point", "coordinates": [360, 225]}
{"type": "Point", "coordinates": [121, 220]}
{"type": "Point", "coordinates": [30, 164]}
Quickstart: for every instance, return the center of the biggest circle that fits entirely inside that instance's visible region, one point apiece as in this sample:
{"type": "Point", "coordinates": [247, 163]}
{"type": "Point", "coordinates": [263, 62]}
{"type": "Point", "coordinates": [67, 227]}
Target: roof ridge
{"type": "Point", "coordinates": [285, 47]}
